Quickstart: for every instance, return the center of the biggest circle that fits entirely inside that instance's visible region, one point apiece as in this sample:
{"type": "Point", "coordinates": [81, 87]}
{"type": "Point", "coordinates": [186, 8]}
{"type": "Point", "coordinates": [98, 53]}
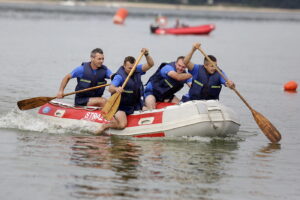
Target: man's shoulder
{"type": "Point", "coordinates": [198, 66]}
{"type": "Point", "coordinates": [168, 67]}
{"type": "Point", "coordinates": [77, 72]}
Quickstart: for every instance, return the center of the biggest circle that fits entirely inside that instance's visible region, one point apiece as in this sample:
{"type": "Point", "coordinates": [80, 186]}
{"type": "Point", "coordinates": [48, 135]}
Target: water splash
{"type": "Point", "coordinates": [31, 121]}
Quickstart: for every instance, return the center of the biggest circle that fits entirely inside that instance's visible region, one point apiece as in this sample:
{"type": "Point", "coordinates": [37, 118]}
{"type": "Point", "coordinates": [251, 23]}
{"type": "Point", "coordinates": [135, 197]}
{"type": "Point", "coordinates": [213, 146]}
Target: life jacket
{"type": "Point", "coordinates": [164, 88]}
{"type": "Point", "coordinates": [131, 97]}
{"type": "Point", "coordinates": [89, 79]}
{"type": "Point", "coordinates": [205, 86]}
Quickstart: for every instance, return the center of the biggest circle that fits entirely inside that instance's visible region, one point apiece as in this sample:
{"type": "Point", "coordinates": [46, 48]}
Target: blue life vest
{"type": "Point", "coordinates": [164, 88]}
{"type": "Point", "coordinates": [205, 86]}
{"type": "Point", "coordinates": [89, 79]}
{"type": "Point", "coordinates": [131, 97]}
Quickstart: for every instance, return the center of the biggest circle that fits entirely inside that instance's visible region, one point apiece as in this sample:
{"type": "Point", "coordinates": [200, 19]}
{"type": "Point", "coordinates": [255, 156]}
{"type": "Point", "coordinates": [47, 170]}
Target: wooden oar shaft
{"type": "Point", "coordinates": [132, 70]}
{"type": "Point", "coordinates": [112, 104]}
{"type": "Point", "coordinates": [225, 78]}
{"type": "Point", "coordinates": [87, 89]}
{"type": "Point", "coordinates": [35, 102]}
{"type": "Point", "coordinates": [213, 63]}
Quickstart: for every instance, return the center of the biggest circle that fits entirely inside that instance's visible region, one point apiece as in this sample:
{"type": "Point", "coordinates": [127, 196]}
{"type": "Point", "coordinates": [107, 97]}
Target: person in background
{"type": "Point", "coordinates": [180, 25]}
{"type": "Point", "coordinates": [160, 22]}
{"type": "Point", "coordinates": [131, 95]}
{"type": "Point", "coordinates": [88, 74]}
{"type": "Point", "coordinates": [165, 82]}
{"type": "Point", "coordinates": [207, 82]}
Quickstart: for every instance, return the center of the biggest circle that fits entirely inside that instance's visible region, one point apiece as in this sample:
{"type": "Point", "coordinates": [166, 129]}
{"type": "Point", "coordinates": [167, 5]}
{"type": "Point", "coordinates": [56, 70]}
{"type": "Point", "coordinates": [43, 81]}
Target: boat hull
{"type": "Point", "coordinates": [194, 118]}
{"type": "Point", "coordinates": [191, 30]}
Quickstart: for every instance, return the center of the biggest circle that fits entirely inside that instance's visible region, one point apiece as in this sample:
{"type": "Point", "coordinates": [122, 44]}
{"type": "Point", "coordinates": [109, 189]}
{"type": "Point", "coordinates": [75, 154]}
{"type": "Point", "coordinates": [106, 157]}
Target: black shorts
{"type": "Point", "coordinates": [81, 101]}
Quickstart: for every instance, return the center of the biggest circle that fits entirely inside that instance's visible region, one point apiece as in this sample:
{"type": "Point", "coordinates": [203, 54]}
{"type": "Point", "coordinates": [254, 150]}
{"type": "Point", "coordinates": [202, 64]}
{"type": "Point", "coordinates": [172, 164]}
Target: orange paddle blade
{"type": "Point", "coordinates": [35, 102]}
{"type": "Point", "coordinates": [111, 106]}
{"type": "Point", "coordinates": [267, 127]}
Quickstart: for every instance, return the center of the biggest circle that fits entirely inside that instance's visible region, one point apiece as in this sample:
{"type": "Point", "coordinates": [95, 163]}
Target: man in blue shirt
{"type": "Point", "coordinates": [131, 95]}
{"type": "Point", "coordinates": [88, 74]}
{"type": "Point", "coordinates": [207, 81]}
{"type": "Point", "coordinates": [165, 82]}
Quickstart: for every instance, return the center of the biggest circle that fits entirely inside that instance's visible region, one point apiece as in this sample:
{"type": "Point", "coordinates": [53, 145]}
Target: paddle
{"type": "Point", "coordinates": [35, 102]}
{"type": "Point", "coordinates": [264, 124]}
{"type": "Point", "coordinates": [112, 105]}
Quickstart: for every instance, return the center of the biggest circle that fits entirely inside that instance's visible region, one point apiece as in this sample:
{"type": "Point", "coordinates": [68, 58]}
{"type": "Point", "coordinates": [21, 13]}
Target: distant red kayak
{"type": "Point", "coordinates": [190, 30]}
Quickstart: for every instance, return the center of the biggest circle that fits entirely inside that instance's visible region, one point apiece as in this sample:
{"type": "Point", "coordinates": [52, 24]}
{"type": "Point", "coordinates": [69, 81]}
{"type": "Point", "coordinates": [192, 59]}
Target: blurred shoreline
{"type": "Point", "coordinates": [90, 8]}
{"type": "Point", "coordinates": [148, 5]}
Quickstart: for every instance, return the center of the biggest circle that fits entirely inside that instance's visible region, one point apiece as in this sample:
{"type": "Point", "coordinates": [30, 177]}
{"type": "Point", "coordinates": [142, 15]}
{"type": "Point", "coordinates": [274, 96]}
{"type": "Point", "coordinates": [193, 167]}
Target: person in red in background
{"type": "Point", "coordinates": [160, 22]}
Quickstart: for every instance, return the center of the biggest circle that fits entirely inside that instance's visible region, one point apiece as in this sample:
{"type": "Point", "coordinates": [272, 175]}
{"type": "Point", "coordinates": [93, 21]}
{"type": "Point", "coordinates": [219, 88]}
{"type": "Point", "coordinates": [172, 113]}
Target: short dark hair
{"type": "Point", "coordinates": [211, 57]}
{"type": "Point", "coordinates": [179, 57]}
{"type": "Point", "coordinates": [130, 59]}
{"type": "Point", "coordinates": [97, 50]}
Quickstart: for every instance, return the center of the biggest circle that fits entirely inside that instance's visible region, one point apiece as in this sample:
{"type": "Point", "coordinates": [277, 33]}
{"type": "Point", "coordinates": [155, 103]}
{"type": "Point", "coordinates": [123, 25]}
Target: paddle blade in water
{"type": "Point", "coordinates": [35, 102]}
{"type": "Point", "coordinates": [267, 127]}
{"type": "Point", "coordinates": [111, 106]}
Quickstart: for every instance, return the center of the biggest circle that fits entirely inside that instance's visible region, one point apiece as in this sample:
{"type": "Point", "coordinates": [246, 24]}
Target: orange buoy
{"type": "Point", "coordinates": [120, 16]}
{"type": "Point", "coordinates": [290, 86]}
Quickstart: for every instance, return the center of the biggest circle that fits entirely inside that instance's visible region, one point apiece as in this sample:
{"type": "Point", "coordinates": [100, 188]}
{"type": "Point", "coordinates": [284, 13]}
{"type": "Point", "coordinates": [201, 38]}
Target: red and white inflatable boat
{"type": "Point", "coordinates": [189, 30]}
{"type": "Point", "coordinates": [194, 118]}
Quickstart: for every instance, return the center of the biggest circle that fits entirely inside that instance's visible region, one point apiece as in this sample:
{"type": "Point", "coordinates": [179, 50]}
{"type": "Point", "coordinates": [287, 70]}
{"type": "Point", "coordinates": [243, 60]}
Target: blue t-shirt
{"type": "Point", "coordinates": [164, 73]}
{"type": "Point", "coordinates": [118, 80]}
{"type": "Point", "coordinates": [78, 72]}
{"type": "Point", "coordinates": [195, 71]}
{"type": "Point", "coordinates": [166, 69]}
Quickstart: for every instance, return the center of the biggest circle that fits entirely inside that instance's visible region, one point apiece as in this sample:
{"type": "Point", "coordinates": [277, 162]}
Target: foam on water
{"type": "Point", "coordinates": [31, 121]}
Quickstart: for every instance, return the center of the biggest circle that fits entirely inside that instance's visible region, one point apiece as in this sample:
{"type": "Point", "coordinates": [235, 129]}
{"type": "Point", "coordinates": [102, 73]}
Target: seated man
{"type": "Point", "coordinates": [165, 82]}
{"type": "Point", "coordinates": [131, 97]}
{"type": "Point", "coordinates": [207, 81]}
{"type": "Point", "coordinates": [88, 74]}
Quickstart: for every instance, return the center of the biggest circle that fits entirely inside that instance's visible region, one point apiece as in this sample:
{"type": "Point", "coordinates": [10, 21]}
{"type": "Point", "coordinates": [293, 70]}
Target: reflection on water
{"type": "Point", "coordinates": [106, 153]}
{"type": "Point", "coordinates": [138, 169]}
{"type": "Point", "coordinates": [268, 150]}
{"type": "Point", "coordinates": [115, 159]}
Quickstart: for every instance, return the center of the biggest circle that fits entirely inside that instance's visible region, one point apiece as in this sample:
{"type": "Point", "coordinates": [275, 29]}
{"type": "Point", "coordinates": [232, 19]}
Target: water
{"type": "Point", "coordinates": [40, 160]}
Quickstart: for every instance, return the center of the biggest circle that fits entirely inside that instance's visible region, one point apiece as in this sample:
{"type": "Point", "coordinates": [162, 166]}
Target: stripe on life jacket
{"type": "Point", "coordinates": [215, 86]}
{"type": "Point", "coordinates": [169, 84]}
{"type": "Point", "coordinates": [199, 83]}
{"type": "Point", "coordinates": [84, 80]}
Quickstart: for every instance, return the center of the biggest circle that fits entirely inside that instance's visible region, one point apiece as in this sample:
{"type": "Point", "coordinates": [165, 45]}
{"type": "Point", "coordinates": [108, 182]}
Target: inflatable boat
{"type": "Point", "coordinates": [194, 118]}
{"type": "Point", "coordinates": [189, 30]}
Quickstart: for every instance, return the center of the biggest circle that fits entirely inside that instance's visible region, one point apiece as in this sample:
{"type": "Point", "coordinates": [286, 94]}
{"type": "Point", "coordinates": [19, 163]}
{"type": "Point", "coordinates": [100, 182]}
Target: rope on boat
{"type": "Point", "coordinates": [88, 108]}
{"type": "Point", "coordinates": [209, 117]}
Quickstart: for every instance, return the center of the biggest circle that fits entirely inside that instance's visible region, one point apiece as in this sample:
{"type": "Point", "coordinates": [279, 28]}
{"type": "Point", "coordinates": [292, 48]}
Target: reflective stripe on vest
{"type": "Point", "coordinates": [169, 84]}
{"type": "Point", "coordinates": [216, 86]}
{"type": "Point", "coordinates": [198, 82]}
{"type": "Point", "coordinates": [84, 80]}
{"type": "Point", "coordinates": [128, 91]}
{"type": "Point", "coordinates": [101, 83]}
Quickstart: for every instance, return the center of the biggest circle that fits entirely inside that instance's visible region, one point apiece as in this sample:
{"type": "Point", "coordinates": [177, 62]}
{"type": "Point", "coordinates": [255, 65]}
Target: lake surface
{"type": "Point", "coordinates": [40, 44]}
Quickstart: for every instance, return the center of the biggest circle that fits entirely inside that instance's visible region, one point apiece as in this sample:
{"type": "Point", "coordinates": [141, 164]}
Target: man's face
{"type": "Point", "coordinates": [180, 66]}
{"type": "Point", "coordinates": [128, 66]}
{"type": "Point", "coordinates": [209, 67]}
{"type": "Point", "coordinates": [98, 59]}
